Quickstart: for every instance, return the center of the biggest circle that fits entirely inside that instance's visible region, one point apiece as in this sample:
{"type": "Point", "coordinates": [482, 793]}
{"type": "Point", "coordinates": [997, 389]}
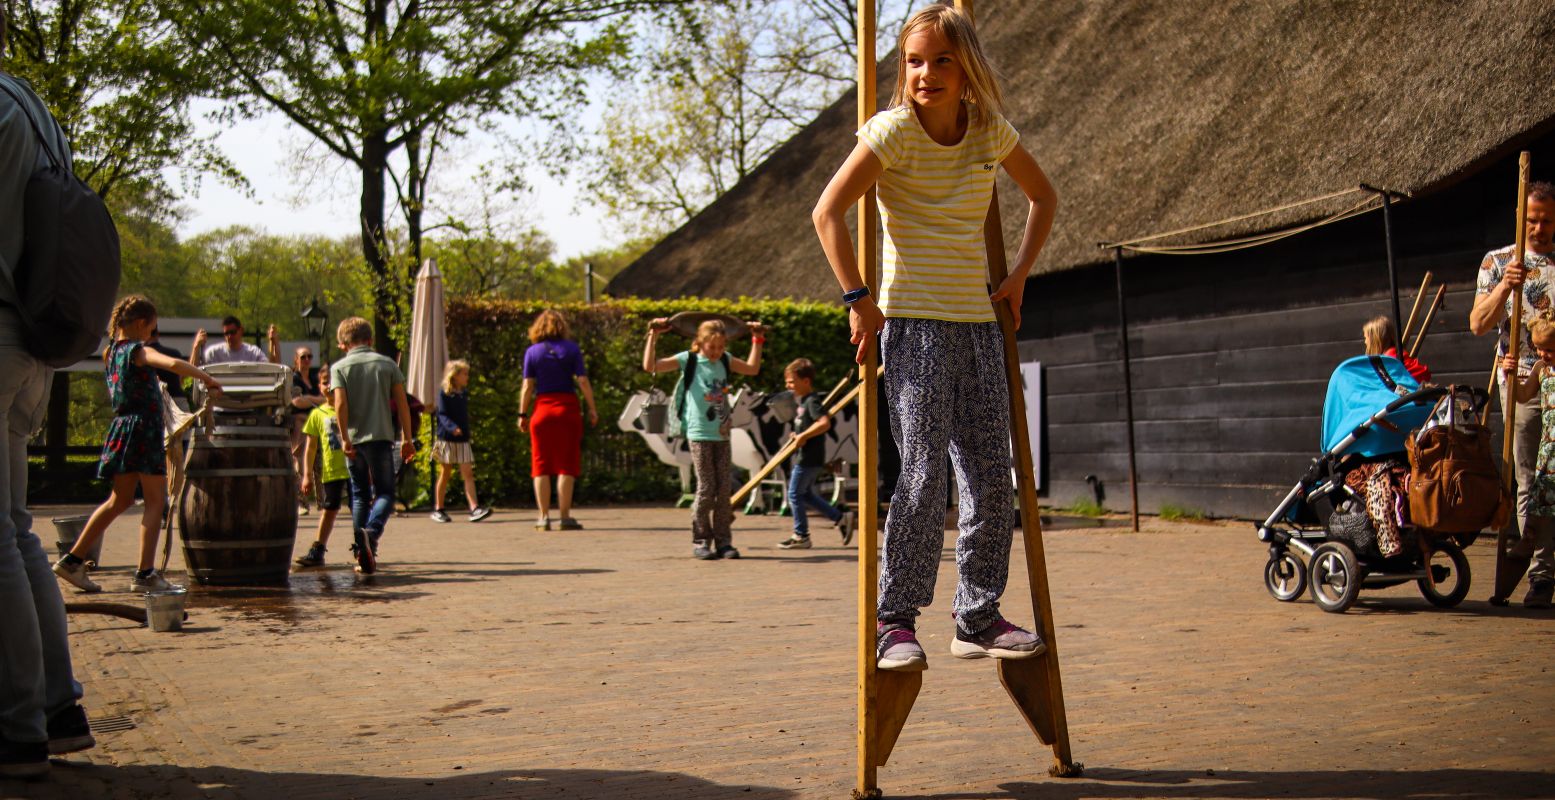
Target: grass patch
{"type": "Point", "coordinates": [1085, 507]}
{"type": "Point", "coordinates": [1171, 512]}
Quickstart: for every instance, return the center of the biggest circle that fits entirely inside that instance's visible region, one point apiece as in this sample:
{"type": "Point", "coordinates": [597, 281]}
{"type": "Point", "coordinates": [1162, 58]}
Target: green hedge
{"type": "Point", "coordinates": [617, 466]}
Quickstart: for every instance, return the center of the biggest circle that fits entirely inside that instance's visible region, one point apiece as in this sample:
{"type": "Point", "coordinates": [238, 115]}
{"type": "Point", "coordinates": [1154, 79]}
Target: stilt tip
{"type": "Point", "coordinates": [1071, 770]}
{"type": "Point", "coordinates": [1499, 602]}
{"type": "Point", "coordinates": [866, 794]}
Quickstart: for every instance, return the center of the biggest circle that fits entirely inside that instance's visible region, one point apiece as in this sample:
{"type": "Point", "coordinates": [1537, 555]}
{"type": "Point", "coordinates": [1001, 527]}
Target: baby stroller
{"type": "Point", "coordinates": [1373, 405]}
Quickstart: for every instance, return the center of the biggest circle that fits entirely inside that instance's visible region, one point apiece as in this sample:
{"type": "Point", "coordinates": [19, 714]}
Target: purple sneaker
{"type": "Point", "coordinates": [896, 648]}
{"type": "Point", "coordinates": [999, 640]}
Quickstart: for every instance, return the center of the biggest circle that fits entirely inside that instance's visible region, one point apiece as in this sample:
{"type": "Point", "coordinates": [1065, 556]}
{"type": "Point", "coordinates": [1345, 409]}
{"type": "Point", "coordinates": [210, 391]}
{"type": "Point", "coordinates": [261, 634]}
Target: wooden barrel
{"type": "Point", "coordinates": [238, 514]}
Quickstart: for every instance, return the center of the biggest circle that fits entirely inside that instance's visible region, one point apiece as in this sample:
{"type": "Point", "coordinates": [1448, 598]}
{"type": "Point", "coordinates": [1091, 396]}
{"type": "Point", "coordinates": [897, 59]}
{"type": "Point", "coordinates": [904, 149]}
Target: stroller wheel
{"type": "Point", "coordinates": [1445, 586]}
{"type": "Point", "coordinates": [1336, 577]}
{"type": "Point", "coordinates": [1285, 576]}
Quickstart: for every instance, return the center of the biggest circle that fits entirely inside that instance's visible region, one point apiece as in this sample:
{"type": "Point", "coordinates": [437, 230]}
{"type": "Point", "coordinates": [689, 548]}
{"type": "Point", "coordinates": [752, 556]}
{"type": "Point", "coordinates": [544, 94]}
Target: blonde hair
{"type": "Point", "coordinates": [982, 92]}
{"type": "Point", "coordinates": [710, 328]}
{"type": "Point", "coordinates": [1379, 335]}
{"type": "Point", "coordinates": [548, 326]}
{"type": "Point", "coordinates": [354, 330]}
{"type": "Point", "coordinates": [454, 368]}
{"type": "Point", "coordinates": [130, 308]}
{"type": "Point", "coordinates": [1542, 328]}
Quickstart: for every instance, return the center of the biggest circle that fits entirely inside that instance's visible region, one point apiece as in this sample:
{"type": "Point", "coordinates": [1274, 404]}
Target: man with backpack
{"type": "Point", "coordinates": [39, 713]}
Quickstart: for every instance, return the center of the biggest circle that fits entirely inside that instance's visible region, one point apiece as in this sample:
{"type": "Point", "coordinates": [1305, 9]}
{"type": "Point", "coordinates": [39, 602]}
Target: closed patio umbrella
{"type": "Point", "coordinates": [428, 336]}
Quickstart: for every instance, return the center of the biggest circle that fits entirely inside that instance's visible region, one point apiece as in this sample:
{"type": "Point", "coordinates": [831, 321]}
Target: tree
{"type": "Point", "coordinates": [671, 143]}
{"type": "Point", "coordinates": [369, 78]}
{"type": "Point", "coordinates": [119, 82]}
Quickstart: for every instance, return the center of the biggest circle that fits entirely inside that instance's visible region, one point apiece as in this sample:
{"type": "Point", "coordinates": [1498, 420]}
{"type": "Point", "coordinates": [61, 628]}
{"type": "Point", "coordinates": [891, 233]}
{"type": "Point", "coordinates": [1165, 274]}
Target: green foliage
{"type": "Point", "coordinates": [1085, 507]}
{"type": "Point", "coordinates": [1171, 512]}
{"type": "Point", "coordinates": [617, 466]}
{"type": "Point", "coordinates": [119, 81]}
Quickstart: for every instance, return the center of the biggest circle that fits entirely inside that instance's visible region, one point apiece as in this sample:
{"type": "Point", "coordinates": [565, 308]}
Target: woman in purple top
{"type": "Point", "coordinates": [552, 365]}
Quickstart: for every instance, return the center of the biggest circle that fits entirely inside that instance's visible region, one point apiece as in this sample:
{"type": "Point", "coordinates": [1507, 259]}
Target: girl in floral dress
{"type": "Point", "coordinates": [1538, 539]}
{"type": "Point", "coordinates": [134, 454]}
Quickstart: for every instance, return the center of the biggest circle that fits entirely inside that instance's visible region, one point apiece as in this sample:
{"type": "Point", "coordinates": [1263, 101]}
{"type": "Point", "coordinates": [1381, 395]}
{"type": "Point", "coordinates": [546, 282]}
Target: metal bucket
{"type": "Point", "coordinates": [67, 530]}
{"type": "Point", "coordinates": [165, 609]}
{"type": "Point", "coordinates": [655, 414]}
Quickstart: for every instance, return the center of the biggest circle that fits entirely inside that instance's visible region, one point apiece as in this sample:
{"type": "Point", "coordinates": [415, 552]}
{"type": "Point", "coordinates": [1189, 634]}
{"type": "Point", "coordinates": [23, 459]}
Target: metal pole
{"type": "Point", "coordinates": [1387, 235]}
{"type": "Point", "coordinates": [1128, 388]}
{"type": "Point", "coordinates": [588, 282]}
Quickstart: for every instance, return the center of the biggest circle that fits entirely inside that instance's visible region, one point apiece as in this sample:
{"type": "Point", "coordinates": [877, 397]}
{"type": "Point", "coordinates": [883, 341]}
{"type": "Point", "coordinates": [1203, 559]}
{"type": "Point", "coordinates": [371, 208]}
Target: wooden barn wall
{"type": "Point", "coordinates": [1232, 352]}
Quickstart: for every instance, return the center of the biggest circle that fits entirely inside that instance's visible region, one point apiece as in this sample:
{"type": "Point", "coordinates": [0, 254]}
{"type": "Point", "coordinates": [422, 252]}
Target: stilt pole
{"type": "Point", "coordinates": [1511, 566]}
{"type": "Point", "coordinates": [869, 755]}
{"type": "Point", "coordinates": [1128, 389]}
{"type": "Point", "coordinates": [1035, 685]}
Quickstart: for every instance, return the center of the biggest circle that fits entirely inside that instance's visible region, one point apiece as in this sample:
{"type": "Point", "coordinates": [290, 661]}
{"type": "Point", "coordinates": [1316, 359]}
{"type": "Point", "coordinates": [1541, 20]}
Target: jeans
{"type": "Point", "coordinates": [372, 489]}
{"type": "Point", "coordinates": [35, 675]}
{"type": "Point", "coordinates": [801, 493]}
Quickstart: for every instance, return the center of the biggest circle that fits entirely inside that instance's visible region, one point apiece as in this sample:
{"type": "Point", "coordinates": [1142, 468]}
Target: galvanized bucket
{"type": "Point", "coordinates": [165, 609]}
{"type": "Point", "coordinates": [654, 415]}
{"type": "Point", "coordinates": [67, 530]}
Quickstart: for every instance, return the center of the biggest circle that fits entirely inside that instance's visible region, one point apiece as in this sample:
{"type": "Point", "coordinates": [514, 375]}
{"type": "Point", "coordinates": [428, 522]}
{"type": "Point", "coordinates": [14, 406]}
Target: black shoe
{"type": "Point", "coordinates": [365, 562]}
{"type": "Point", "coordinates": [69, 732]}
{"type": "Point", "coordinates": [23, 759]}
{"type": "Point", "coordinates": [701, 550]}
{"type": "Point", "coordinates": [728, 551]}
{"type": "Point", "coordinates": [1539, 594]}
{"type": "Point", "coordinates": [439, 515]}
{"type": "Point", "coordinates": [314, 558]}
{"type": "Point", "coordinates": [846, 525]}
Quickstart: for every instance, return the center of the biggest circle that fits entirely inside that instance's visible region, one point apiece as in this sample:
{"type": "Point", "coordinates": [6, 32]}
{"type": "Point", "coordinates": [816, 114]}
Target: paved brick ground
{"type": "Point", "coordinates": [491, 660]}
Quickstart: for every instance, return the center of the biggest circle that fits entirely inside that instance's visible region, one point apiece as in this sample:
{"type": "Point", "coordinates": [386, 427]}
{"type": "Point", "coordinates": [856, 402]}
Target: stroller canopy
{"type": "Point", "coordinates": [1355, 392]}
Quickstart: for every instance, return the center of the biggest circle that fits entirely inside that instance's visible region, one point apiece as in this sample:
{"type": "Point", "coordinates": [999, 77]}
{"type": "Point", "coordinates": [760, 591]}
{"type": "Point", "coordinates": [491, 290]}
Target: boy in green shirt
{"type": "Point", "coordinates": [322, 434]}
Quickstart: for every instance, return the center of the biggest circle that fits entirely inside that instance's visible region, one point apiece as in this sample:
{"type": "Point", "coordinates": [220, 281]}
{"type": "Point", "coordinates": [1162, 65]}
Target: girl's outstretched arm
{"type": "Point", "coordinates": [148, 357]}
{"type": "Point", "coordinates": [751, 365]}
{"type": "Point", "coordinates": [1043, 200]}
{"type": "Point", "coordinates": [853, 179]}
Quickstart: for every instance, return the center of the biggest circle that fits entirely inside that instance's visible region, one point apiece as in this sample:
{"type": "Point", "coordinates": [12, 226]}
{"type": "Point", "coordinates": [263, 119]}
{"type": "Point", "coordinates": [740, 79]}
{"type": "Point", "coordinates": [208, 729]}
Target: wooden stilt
{"type": "Point", "coordinates": [884, 699]}
{"type": "Point", "coordinates": [1511, 566]}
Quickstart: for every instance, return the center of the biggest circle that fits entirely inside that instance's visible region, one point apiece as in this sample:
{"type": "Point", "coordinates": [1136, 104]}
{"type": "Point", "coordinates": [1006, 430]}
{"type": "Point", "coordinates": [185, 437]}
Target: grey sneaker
{"type": "Point", "coordinates": [728, 551]}
{"type": "Point", "coordinates": [795, 542]}
{"type": "Point", "coordinates": [846, 525]}
{"type": "Point", "coordinates": [314, 558]}
{"type": "Point", "coordinates": [439, 515]}
{"type": "Point", "coordinates": [703, 550]}
{"type": "Point", "coordinates": [480, 513]}
{"type": "Point", "coordinates": [897, 648]}
{"type": "Point", "coordinates": [999, 640]}
{"type": "Point", "coordinates": [151, 583]}
{"type": "Point", "coordinates": [1539, 594]}
{"type": "Point", "coordinates": [75, 575]}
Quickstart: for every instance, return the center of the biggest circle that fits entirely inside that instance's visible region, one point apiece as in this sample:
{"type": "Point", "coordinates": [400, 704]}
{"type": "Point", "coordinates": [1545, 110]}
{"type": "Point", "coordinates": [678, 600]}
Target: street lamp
{"type": "Point", "coordinates": [313, 319]}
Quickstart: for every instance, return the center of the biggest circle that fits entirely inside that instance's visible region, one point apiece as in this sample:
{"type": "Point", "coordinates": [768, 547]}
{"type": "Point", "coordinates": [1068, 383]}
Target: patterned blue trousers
{"type": "Point", "coordinates": [945, 385]}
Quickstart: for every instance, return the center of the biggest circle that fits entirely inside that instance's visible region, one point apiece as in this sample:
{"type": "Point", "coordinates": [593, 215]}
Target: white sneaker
{"type": "Point", "coordinates": [75, 575]}
{"type": "Point", "coordinates": [151, 583]}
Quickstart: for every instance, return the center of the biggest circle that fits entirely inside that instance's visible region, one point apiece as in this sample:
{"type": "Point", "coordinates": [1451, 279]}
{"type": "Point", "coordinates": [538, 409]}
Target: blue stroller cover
{"type": "Point", "coordinates": [1355, 392]}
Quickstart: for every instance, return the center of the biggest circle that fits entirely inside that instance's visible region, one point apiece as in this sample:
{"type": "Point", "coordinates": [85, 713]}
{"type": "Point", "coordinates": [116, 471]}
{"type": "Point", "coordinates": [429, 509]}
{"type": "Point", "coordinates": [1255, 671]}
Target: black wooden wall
{"type": "Point", "coordinates": [1232, 352]}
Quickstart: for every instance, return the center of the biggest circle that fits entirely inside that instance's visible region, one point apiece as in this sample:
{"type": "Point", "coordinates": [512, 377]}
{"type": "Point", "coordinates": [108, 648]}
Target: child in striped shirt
{"type": "Point", "coordinates": [933, 155]}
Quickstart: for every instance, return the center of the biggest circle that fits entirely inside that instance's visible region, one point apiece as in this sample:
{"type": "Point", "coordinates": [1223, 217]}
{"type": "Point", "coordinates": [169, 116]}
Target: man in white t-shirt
{"type": "Point", "coordinates": [232, 349]}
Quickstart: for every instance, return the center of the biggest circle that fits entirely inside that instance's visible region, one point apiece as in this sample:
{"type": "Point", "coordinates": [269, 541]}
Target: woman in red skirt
{"type": "Point", "coordinates": [552, 366]}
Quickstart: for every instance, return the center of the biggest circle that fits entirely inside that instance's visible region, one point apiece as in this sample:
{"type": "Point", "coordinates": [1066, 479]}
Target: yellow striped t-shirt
{"type": "Point", "coordinates": [933, 202]}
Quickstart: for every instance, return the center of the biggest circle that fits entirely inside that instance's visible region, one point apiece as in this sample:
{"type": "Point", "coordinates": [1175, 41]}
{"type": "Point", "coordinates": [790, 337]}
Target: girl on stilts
{"type": "Point", "coordinates": [134, 454]}
{"type": "Point", "coordinates": [933, 155]}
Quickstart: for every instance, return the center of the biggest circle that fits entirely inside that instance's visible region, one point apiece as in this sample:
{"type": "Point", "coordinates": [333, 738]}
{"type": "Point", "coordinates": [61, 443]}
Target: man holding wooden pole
{"type": "Point", "coordinates": [1525, 283]}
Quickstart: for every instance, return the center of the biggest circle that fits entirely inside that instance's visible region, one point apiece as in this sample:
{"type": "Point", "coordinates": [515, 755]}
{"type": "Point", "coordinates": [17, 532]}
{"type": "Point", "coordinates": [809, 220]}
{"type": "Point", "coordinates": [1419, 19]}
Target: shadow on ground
{"type": "Point", "coordinates": [1100, 784]}
{"type": "Point", "coordinates": [221, 783]}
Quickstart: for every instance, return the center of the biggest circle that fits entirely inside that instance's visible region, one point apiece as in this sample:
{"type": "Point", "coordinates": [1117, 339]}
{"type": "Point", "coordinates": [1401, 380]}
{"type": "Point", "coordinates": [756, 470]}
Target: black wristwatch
{"type": "Point", "coordinates": [849, 298]}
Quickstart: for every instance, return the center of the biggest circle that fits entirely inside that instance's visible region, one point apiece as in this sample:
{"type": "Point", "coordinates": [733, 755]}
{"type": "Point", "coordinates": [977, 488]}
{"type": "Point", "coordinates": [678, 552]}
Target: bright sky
{"type": "Point", "coordinates": [264, 148]}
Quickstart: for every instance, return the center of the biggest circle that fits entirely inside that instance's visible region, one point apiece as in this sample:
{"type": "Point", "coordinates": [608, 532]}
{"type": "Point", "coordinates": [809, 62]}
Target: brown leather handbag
{"type": "Point", "coordinates": [1454, 483]}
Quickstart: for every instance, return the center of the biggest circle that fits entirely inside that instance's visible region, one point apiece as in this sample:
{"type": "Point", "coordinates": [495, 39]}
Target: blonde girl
{"type": "Point", "coordinates": [452, 447]}
{"type": "Point", "coordinates": [134, 454]}
{"type": "Point", "coordinates": [702, 416]}
{"type": "Point", "coordinates": [1381, 339]}
{"type": "Point", "coordinates": [933, 155]}
{"type": "Point", "coordinates": [1538, 539]}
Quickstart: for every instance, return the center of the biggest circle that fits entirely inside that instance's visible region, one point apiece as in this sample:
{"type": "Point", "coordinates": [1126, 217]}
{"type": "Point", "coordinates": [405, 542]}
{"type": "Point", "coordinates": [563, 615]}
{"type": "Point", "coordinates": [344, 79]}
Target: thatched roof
{"type": "Point", "coordinates": [1151, 116]}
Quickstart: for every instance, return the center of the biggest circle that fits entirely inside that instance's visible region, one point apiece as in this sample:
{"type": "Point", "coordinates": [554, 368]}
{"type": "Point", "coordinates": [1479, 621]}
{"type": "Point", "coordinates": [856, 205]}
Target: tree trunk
{"type": "Point", "coordinates": [375, 157]}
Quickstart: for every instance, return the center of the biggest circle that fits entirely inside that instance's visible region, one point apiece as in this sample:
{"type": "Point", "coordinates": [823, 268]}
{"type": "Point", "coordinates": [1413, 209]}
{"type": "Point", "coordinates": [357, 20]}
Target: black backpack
{"type": "Point", "coordinates": [67, 278]}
